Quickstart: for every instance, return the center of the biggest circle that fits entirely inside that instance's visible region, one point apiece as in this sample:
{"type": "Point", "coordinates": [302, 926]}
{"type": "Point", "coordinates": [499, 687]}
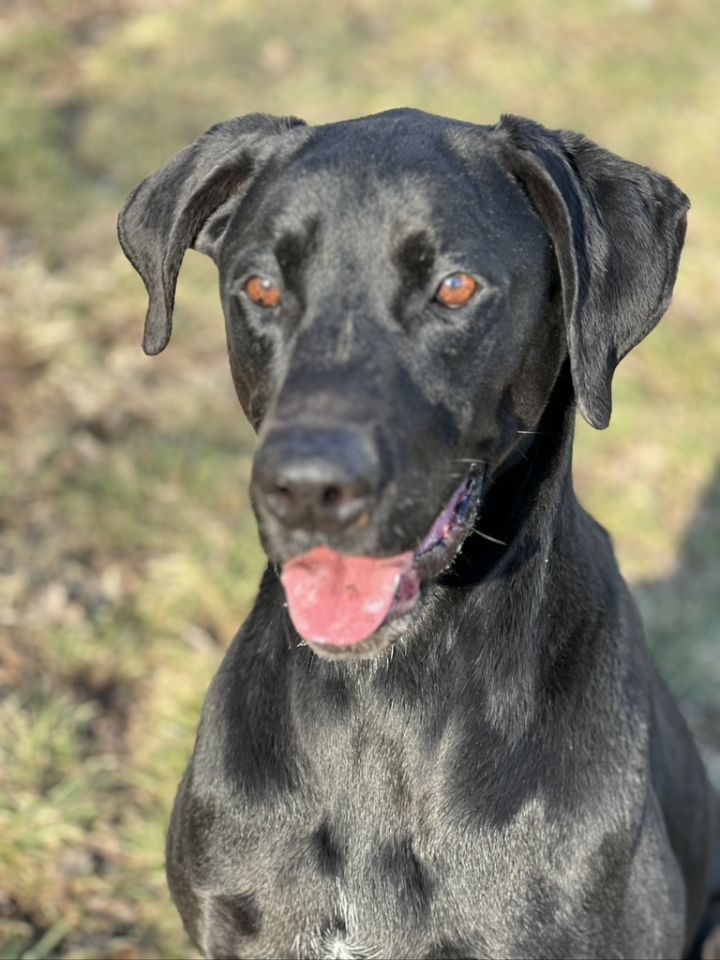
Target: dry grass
{"type": "Point", "coordinates": [127, 550]}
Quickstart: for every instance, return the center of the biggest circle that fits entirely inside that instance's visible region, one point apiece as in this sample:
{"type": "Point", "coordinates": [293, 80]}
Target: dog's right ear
{"type": "Point", "coordinates": [188, 203]}
{"type": "Point", "coordinates": [617, 229]}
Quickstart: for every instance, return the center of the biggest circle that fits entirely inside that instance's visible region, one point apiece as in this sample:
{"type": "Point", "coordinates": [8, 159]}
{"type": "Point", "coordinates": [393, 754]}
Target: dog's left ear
{"type": "Point", "coordinates": [189, 203]}
{"type": "Point", "coordinates": [617, 228]}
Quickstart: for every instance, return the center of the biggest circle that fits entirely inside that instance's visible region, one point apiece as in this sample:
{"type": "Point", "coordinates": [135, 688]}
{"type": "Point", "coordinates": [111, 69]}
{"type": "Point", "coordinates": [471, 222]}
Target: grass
{"type": "Point", "coordinates": [128, 553]}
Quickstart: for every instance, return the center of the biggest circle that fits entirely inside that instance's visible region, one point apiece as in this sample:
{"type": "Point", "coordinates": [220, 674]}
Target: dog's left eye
{"type": "Point", "coordinates": [456, 290]}
{"type": "Point", "coordinates": [263, 292]}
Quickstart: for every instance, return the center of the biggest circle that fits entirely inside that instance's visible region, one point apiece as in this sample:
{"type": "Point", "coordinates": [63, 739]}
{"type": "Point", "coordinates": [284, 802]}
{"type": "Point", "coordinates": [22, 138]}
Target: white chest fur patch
{"type": "Point", "coordinates": [341, 942]}
{"type": "Point", "coordinates": [331, 945]}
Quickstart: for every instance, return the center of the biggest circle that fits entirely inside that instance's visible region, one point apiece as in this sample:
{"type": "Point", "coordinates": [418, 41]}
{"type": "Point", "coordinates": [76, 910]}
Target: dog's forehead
{"type": "Point", "coordinates": [389, 175]}
{"type": "Point", "coordinates": [395, 138]}
{"type": "Point", "coordinates": [408, 158]}
{"type": "Point", "coordinates": [360, 190]}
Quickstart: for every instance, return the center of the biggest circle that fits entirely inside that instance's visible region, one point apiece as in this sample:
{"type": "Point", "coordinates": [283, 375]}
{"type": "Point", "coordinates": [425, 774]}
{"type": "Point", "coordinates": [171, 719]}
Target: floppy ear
{"type": "Point", "coordinates": [188, 203]}
{"type": "Point", "coordinates": [617, 228]}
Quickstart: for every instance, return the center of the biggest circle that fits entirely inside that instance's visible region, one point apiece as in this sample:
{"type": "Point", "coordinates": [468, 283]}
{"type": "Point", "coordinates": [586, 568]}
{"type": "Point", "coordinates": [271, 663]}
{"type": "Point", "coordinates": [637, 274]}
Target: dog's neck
{"type": "Point", "coordinates": [499, 622]}
{"type": "Point", "coordinates": [525, 495]}
{"type": "Point", "coordinates": [511, 620]}
{"type": "Point", "coordinates": [500, 619]}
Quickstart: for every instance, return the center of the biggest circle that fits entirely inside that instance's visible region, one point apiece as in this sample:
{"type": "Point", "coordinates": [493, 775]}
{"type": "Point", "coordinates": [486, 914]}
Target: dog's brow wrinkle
{"type": "Point", "coordinates": [416, 248]}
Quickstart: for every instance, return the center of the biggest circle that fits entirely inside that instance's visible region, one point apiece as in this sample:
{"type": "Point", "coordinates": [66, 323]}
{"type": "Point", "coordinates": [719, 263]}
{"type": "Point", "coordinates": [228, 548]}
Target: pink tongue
{"type": "Point", "coordinates": [336, 599]}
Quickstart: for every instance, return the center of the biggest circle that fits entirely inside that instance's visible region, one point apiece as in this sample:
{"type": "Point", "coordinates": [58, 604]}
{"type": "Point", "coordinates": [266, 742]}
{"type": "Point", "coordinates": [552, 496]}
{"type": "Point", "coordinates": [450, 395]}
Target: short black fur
{"type": "Point", "coordinates": [500, 772]}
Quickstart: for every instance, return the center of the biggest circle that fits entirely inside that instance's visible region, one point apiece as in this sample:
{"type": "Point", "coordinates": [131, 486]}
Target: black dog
{"type": "Point", "coordinates": [470, 754]}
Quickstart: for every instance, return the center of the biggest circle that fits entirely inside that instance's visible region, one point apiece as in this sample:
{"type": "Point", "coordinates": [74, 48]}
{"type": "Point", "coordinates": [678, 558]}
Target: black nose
{"type": "Point", "coordinates": [319, 479]}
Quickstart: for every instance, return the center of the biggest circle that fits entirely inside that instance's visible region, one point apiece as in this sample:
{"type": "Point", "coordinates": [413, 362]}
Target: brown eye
{"type": "Point", "coordinates": [456, 290]}
{"type": "Point", "coordinates": [263, 292]}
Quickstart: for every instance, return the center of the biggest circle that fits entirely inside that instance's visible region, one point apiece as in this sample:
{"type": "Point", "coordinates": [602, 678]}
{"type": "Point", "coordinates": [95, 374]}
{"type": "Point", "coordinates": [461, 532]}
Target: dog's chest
{"type": "Point", "coordinates": [327, 885]}
{"type": "Point", "coordinates": [373, 861]}
{"type": "Point", "coordinates": [394, 842]}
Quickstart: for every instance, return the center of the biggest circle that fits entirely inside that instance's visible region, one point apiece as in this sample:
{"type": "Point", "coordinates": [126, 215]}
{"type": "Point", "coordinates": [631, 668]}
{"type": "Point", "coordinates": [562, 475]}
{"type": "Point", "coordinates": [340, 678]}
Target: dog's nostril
{"type": "Point", "coordinates": [320, 505]}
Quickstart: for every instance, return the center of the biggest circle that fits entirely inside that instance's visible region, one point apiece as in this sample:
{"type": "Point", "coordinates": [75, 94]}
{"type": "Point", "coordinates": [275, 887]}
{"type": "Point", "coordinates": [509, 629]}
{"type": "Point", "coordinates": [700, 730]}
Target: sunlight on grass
{"type": "Point", "coordinates": [128, 552]}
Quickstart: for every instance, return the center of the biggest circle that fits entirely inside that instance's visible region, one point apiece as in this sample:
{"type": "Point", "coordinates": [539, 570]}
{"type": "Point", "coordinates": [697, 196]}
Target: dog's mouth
{"type": "Point", "coordinates": [348, 605]}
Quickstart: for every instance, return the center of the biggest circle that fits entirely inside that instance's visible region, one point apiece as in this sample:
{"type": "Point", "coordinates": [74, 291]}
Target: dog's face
{"type": "Point", "coordinates": [400, 293]}
{"type": "Point", "coordinates": [378, 323]}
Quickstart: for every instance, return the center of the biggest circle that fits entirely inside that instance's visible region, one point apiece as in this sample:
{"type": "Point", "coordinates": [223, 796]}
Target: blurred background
{"type": "Point", "coordinates": [128, 554]}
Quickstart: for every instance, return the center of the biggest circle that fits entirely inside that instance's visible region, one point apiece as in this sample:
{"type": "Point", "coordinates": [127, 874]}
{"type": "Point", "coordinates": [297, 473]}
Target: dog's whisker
{"type": "Point", "coordinates": [486, 536]}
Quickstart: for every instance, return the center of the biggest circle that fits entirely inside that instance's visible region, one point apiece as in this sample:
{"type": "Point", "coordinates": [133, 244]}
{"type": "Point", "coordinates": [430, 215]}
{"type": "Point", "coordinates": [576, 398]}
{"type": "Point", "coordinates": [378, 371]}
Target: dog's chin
{"type": "Point", "coordinates": [391, 633]}
{"type": "Point", "coordinates": [433, 557]}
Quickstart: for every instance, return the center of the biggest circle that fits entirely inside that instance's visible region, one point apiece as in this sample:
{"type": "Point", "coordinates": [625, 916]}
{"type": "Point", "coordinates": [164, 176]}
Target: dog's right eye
{"type": "Point", "coordinates": [263, 292]}
{"type": "Point", "coordinates": [456, 290]}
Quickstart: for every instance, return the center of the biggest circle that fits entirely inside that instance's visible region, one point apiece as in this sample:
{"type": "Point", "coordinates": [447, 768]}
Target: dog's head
{"type": "Point", "coordinates": [400, 294]}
